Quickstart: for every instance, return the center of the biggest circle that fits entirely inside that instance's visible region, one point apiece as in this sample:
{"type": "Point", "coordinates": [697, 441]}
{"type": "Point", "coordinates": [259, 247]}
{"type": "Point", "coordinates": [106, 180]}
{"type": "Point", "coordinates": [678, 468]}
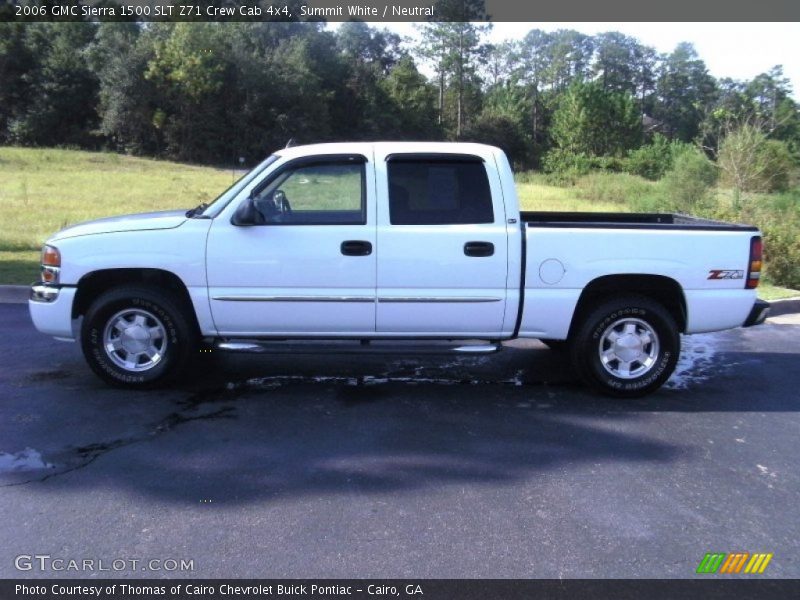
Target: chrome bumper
{"type": "Point", "coordinates": [50, 307]}
{"type": "Point", "coordinates": [41, 292]}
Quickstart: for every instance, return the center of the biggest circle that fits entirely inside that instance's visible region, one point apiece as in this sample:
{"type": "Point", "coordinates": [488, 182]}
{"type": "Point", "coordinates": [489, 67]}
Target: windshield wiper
{"type": "Point", "coordinates": [197, 211]}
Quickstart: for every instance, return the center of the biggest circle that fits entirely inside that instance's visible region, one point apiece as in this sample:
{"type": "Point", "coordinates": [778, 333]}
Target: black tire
{"type": "Point", "coordinates": [614, 376]}
{"type": "Point", "coordinates": [556, 345]}
{"type": "Point", "coordinates": [158, 313]}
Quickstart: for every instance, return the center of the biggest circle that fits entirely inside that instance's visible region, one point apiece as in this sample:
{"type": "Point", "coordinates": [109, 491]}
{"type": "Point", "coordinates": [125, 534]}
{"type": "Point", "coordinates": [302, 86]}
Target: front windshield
{"type": "Point", "coordinates": [222, 200]}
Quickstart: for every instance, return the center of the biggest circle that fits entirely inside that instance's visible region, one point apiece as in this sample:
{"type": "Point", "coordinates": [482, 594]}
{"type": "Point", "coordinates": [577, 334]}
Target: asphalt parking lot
{"type": "Point", "coordinates": [325, 466]}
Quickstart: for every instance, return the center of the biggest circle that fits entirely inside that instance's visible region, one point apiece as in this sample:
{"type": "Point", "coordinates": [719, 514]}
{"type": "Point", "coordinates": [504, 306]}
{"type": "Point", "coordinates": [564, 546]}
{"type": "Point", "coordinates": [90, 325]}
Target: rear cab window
{"type": "Point", "coordinates": [438, 190]}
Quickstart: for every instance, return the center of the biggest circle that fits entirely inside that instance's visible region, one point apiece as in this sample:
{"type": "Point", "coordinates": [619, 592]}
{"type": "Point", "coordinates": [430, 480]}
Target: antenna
{"type": "Point", "coordinates": [290, 143]}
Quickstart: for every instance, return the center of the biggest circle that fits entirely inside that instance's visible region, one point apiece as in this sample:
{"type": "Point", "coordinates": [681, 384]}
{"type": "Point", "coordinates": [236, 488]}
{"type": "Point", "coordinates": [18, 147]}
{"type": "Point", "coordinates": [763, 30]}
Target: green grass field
{"type": "Point", "coordinates": [44, 190]}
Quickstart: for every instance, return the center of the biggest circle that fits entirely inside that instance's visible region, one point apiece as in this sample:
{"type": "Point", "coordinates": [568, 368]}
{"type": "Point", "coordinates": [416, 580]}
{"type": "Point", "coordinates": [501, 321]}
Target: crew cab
{"type": "Point", "coordinates": [364, 246]}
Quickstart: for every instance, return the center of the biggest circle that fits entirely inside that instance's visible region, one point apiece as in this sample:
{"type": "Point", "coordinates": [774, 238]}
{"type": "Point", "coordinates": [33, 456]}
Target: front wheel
{"type": "Point", "coordinates": [137, 337]}
{"type": "Point", "coordinates": [626, 347]}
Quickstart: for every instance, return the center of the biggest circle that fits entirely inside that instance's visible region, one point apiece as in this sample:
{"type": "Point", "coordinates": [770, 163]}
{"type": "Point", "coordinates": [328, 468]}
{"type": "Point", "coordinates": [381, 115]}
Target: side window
{"type": "Point", "coordinates": [328, 193]}
{"type": "Point", "coordinates": [438, 192]}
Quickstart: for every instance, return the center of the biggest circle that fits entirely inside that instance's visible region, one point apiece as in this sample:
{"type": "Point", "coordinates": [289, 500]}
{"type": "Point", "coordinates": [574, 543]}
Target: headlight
{"type": "Point", "coordinates": [51, 265]}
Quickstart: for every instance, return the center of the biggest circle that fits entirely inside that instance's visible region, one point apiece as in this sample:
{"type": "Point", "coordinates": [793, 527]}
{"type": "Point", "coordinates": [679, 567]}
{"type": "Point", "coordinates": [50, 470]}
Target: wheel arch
{"type": "Point", "coordinates": [91, 285]}
{"type": "Point", "coordinates": [659, 288]}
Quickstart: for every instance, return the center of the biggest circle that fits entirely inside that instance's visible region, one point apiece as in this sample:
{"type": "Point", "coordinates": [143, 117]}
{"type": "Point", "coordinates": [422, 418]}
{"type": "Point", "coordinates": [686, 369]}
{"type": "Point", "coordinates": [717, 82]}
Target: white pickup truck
{"type": "Point", "coordinates": [357, 246]}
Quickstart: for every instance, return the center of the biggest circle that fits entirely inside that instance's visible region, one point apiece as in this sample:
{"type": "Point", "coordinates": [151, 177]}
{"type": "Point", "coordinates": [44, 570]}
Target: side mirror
{"type": "Point", "coordinates": [246, 214]}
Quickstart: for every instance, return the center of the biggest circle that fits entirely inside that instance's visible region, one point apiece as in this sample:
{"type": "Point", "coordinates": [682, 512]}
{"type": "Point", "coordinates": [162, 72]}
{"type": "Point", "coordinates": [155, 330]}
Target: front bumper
{"type": "Point", "coordinates": [51, 309]}
{"type": "Point", "coordinates": [42, 292]}
{"type": "Point", "coordinates": [758, 314]}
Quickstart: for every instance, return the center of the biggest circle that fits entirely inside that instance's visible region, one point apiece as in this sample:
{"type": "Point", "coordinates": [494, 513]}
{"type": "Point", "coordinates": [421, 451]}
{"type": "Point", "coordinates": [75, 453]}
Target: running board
{"type": "Point", "coordinates": [354, 347]}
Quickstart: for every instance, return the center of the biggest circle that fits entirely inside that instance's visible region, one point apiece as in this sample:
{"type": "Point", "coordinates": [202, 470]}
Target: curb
{"type": "Point", "coordinates": [784, 307]}
{"type": "Point", "coordinates": [18, 294]}
{"type": "Point", "coordinates": [14, 294]}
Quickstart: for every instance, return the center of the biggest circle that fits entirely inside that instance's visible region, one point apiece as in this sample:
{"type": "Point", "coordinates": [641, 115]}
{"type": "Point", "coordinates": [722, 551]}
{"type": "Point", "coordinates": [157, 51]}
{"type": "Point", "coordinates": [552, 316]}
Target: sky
{"type": "Point", "coordinates": [736, 50]}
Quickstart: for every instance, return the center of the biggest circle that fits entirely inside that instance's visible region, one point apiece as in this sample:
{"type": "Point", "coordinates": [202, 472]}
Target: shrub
{"type": "Point", "coordinates": [652, 161]}
{"type": "Point", "coordinates": [778, 218]}
{"type": "Point", "coordinates": [565, 168]}
{"type": "Point", "coordinates": [749, 162]}
{"type": "Point", "coordinates": [782, 253]}
{"type": "Point", "coordinates": [686, 186]}
{"type": "Point", "coordinates": [776, 166]}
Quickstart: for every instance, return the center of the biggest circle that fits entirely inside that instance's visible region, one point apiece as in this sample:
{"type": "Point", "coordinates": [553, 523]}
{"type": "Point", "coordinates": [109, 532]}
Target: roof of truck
{"type": "Point", "coordinates": [387, 148]}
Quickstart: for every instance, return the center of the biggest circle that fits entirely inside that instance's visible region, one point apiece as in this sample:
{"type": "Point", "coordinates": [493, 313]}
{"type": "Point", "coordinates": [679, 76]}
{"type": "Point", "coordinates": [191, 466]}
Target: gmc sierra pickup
{"type": "Point", "coordinates": [356, 246]}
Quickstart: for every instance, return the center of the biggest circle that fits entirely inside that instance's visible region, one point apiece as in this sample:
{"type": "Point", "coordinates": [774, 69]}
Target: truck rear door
{"type": "Point", "coordinates": [442, 245]}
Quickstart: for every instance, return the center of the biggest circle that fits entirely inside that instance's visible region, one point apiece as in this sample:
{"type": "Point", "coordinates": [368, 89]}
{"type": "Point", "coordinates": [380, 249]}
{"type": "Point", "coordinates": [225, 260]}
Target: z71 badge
{"type": "Point", "coordinates": [725, 274]}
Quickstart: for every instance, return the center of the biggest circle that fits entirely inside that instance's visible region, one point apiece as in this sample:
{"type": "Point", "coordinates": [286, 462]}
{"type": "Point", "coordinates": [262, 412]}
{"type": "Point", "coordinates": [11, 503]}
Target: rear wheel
{"type": "Point", "coordinates": [626, 347]}
{"type": "Point", "coordinates": [137, 337]}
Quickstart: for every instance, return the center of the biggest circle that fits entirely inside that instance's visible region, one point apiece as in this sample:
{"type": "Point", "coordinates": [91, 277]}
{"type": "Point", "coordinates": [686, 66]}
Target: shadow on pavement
{"type": "Point", "coordinates": [246, 431]}
{"type": "Point", "coordinates": [266, 428]}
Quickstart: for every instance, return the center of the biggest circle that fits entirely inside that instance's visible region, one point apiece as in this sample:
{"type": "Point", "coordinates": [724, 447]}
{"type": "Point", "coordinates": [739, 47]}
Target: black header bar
{"type": "Point", "coordinates": [378, 11]}
{"type": "Point", "coordinates": [707, 588]}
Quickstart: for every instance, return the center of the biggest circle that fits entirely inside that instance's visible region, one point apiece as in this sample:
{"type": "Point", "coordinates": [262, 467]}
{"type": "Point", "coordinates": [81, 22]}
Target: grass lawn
{"type": "Point", "coordinates": [19, 267]}
{"type": "Point", "coordinates": [44, 190]}
{"type": "Point", "coordinates": [773, 292]}
{"type": "Point", "coordinates": [536, 195]}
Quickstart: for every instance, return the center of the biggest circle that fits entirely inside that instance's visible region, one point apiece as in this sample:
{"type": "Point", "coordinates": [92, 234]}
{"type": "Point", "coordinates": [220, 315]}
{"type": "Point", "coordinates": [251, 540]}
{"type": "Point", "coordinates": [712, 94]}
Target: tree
{"type": "Point", "coordinates": [414, 102]}
{"type": "Point", "coordinates": [504, 122]}
{"type": "Point", "coordinates": [367, 55]}
{"type": "Point", "coordinates": [645, 65]}
{"type": "Point", "coordinates": [569, 56]}
{"type": "Point", "coordinates": [501, 63]}
{"type": "Point", "coordinates": [685, 92]}
{"type": "Point", "coordinates": [60, 90]}
{"type": "Point", "coordinates": [770, 94]}
{"type": "Point", "coordinates": [127, 102]}
{"type": "Point", "coordinates": [212, 92]}
{"type": "Point", "coordinates": [191, 70]}
{"type": "Point", "coordinates": [359, 43]}
{"type": "Point", "coordinates": [454, 48]}
{"type": "Point", "coordinates": [615, 64]}
{"type": "Point", "coordinates": [594, 122]}
{"type": "Point", "coordinates": [499, 130]}
{"type": "Point", "coordinates": [623, 64]}
{"type": "Point", "coordinates": [16, 65]}
{"type": "Point", "coordinates": [532, 60]}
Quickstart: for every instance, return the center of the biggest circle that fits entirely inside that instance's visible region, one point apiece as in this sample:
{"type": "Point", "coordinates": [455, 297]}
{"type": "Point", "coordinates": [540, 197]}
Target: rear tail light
{"type": "Point", "coordinates": [754, 266]}
{"type": "Point", "coordinates": [51, 265]}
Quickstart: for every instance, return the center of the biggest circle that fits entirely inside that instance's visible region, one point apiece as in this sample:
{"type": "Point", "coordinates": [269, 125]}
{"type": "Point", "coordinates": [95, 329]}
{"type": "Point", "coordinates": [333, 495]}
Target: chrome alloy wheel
{"type": "Point", "coordinates": [135, 339]}
{"type": "Point", "coordinates": [628, 348]}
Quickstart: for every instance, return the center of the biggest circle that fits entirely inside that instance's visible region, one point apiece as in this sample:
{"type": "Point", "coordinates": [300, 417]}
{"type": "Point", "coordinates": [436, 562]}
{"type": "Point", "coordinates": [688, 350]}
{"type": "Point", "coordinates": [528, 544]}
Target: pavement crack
{"type": "Point", "coordinates": [89, 453]}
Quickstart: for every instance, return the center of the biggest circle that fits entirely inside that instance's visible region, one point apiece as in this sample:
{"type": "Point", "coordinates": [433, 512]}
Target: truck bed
{"type": "Point", "coordinates": [627, 221]}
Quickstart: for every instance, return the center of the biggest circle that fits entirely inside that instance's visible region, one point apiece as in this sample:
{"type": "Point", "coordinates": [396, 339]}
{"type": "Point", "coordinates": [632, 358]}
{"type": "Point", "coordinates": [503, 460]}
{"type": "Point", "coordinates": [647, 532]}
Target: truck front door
{"type": "Point", "coordinates": [308, 268]}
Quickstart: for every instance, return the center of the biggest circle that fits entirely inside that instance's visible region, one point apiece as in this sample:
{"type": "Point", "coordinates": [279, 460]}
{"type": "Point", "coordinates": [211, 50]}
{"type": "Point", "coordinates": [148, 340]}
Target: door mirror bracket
{"type": "Point", "coordinates": [245, 214]}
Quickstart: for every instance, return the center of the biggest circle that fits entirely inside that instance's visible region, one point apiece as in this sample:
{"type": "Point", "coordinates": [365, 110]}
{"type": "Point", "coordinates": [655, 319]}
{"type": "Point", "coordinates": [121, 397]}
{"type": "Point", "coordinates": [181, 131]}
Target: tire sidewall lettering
{"type": "Point", "coordinates": [650, 380]}
{"type": "Point", "coordinates": [101, 359]}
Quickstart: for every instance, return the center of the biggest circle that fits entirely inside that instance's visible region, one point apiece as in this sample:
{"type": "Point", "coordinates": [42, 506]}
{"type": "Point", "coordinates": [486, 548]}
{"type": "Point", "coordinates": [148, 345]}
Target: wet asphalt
{"type": "Point", "coordinates": [407, 467]}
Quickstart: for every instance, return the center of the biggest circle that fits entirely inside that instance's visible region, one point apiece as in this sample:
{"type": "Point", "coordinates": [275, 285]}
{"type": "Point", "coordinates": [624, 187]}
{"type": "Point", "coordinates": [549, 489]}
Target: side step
{"type": "Point", "coordinates": [357, 347]}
